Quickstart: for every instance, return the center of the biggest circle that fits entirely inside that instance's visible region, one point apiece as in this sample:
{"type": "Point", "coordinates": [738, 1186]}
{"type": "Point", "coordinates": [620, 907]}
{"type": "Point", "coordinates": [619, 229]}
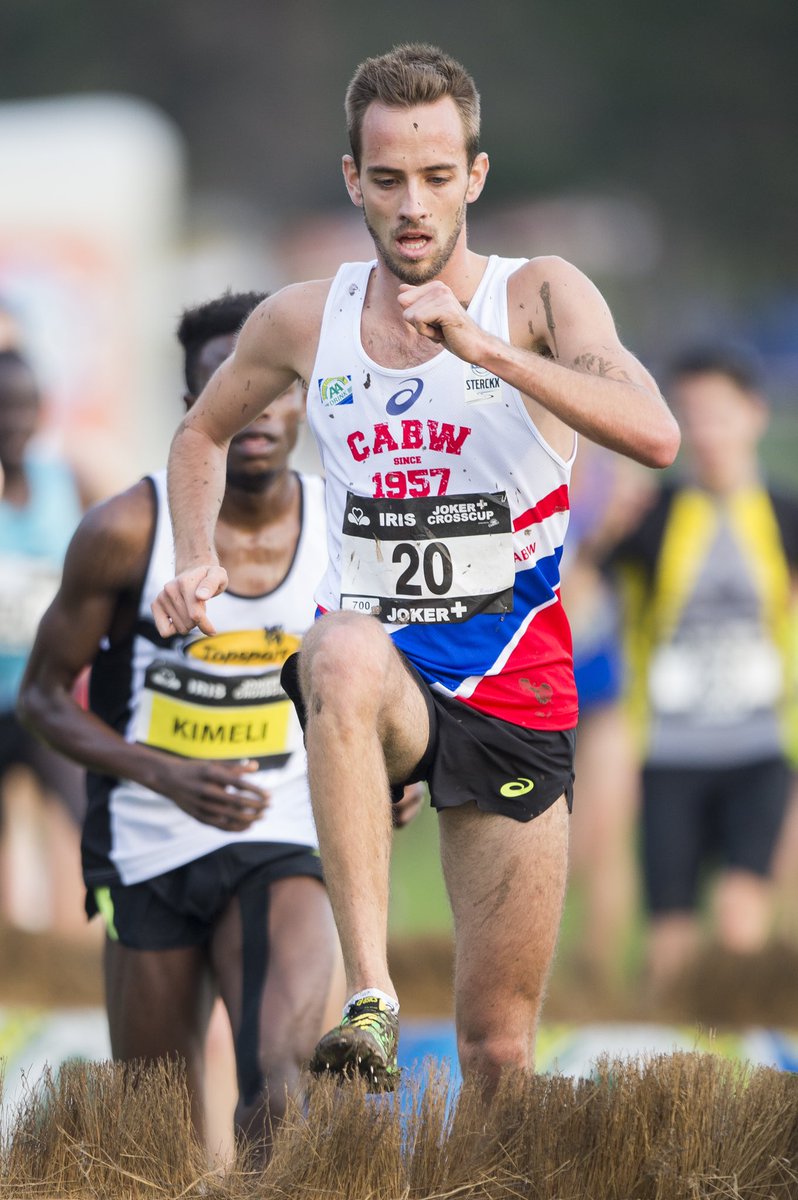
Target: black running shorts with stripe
{"type": "Point", "coordinates": [471, 757]}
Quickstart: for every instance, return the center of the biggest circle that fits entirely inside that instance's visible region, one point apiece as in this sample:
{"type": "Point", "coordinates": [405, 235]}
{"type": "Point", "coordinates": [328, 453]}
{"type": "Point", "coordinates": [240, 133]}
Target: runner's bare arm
{"type": "Point", "coordinates": [105, 564]}
{"type": "Point", "coordinates": [271, 352]}
{"type": "Point", "coordinates": [565, 358]}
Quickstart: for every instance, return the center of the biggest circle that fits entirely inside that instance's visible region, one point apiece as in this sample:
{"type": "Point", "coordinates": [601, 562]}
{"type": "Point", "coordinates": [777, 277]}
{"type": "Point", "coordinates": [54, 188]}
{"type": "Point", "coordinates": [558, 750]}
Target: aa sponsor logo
{"type": "Point", "coordinates": [335, 390]}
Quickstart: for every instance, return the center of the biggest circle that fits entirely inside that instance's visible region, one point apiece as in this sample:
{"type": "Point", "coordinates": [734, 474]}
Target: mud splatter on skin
{"type": "Point", "coordinates": [318, 704]}
{"type": "Point", "coordinates": [498, 896]}
{"type": "Point", "coordinates": [545, 295]}
{"type": "Point", "coordinates": [594, 364]}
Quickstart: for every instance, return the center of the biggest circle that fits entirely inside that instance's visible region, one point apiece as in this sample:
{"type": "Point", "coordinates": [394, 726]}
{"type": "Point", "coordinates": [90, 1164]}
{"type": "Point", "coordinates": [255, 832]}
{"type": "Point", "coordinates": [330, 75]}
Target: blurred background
{"type": "Point", "coordinates": [154, 154]}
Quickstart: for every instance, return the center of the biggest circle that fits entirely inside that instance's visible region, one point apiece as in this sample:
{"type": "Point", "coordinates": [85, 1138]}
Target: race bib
{"type": "Point", "coordinates": [196, 714]}
{"type": "Point", "coordinates": [431, 560]}
{"type": "Point", "coordinates": [716, 681]}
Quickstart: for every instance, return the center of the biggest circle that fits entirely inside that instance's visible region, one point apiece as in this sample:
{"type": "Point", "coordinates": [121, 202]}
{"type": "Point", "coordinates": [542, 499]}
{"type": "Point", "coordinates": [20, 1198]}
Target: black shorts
{"type": "Point", "coordinates": [701, 816]}
{"type": "Point", "coordinates": [181, 907]}
{"type": "Point", "coordinates": [501, 767]}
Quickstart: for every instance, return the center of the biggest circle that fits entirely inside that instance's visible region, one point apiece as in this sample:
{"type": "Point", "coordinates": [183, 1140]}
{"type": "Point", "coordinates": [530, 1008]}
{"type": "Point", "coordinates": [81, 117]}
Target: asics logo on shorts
{"type": "Point", "coordinates": [516, 787]}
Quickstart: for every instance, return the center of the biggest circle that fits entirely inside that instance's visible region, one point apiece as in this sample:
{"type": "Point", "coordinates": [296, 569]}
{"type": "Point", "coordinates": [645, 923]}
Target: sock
{"type": "Point", "coordinates": [389, 1001]}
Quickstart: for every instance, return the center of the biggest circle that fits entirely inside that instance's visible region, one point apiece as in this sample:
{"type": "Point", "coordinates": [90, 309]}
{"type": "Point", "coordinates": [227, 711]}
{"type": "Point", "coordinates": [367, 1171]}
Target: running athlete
{"type": "Point", "coordinates": [199, 848]}
{"type": "Point", "coordinates": [710, 574]}
{"type": "Point", "coordinates": [444, 391]}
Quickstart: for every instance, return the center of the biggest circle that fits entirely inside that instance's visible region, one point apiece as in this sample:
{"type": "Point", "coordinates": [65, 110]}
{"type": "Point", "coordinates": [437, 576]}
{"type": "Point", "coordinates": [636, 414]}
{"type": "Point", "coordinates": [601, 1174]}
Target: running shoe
{"type": "Point", "coordinates": [363, 1044]}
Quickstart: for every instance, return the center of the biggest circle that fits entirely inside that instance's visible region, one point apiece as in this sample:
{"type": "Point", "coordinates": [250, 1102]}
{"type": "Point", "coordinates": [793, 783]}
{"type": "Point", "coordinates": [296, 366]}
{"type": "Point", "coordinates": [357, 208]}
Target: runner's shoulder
{"type": "Point", "coordinates": [547, 268]}
{"type": "Point", "coordinates": [113, 541]}
{"type": "Point", "coordinates": [296, 310]}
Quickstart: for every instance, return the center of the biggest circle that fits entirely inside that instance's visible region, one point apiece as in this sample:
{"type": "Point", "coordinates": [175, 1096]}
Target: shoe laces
{"type": "Point", "coordinates": [371, 1015]}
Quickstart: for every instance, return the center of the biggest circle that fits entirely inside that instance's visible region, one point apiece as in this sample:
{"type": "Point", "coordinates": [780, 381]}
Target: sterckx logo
{"type": "Point", "coordinates": [405, 398]}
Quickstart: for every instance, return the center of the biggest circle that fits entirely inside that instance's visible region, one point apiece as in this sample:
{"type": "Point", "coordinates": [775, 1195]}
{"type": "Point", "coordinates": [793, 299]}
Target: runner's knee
{"type": "Point", "coordinates": [490, 1053]}
{"type": "Point", "coordinates": [279, 1076]}
{"type": "Point", "coordinates": [342, 661]}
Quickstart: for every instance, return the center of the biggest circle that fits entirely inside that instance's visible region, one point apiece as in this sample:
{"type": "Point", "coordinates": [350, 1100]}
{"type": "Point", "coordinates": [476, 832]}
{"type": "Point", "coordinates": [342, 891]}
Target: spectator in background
{"type": "Point", "coordinates": [38, 512]}
{"type": "Point", "coordinates": [708, 579]}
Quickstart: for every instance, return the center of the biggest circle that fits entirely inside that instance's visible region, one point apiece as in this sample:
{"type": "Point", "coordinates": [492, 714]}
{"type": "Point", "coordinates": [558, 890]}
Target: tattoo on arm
{"type": "Point", "coordinates": [545, 295]}
{"type": "Point", "coordinates": [596, 365]}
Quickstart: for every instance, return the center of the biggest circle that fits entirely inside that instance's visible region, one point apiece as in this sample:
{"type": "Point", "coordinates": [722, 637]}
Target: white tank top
{"type": "Point", "coordinates": [446, 512]}
{"type": "Point", "coordinates": [205, 697]}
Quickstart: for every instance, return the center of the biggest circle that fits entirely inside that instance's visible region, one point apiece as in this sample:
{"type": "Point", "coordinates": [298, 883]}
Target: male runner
{"type": "Point", "coordinates": [444, 392]}
{"type": "Point", "coordinates": [199, 848]}
{"type": "Point", "coordinates": [711, 570]}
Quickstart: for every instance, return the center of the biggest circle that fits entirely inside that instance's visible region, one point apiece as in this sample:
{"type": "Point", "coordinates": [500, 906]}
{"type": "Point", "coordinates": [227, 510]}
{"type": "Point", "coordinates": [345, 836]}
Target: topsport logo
{"type": "Point", "coordinates": [335, 390]}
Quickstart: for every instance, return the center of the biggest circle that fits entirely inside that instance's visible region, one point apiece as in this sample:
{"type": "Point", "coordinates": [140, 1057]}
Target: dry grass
{"type": "Point", "coordinates": [680, 1127]}
{"type": "Point", "coordinates": [719, 990]}
{"type": "Point", "coordinates": [47, 970]}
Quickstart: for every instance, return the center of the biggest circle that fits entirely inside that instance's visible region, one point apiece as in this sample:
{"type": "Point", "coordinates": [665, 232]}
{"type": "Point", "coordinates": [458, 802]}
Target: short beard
{"type": "Point", "coordinates": [253, 485]}
{"type": "Point", "coordinates": [409, 272]}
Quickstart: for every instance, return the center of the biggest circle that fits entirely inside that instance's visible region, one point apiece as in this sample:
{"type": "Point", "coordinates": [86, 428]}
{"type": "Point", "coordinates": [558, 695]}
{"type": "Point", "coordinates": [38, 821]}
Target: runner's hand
{"type": "Point", "coordinates": [434, 311]}
{"type": "Point", "coordinates": [403, 811]}
{"type": "Point", "coordinates": [216, 793]}
{"type": "Point", "coordinates": [181, 604]}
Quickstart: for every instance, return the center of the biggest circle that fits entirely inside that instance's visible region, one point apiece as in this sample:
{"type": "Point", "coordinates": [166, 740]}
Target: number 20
{"type": "Point", "coordinates": [435, 553]}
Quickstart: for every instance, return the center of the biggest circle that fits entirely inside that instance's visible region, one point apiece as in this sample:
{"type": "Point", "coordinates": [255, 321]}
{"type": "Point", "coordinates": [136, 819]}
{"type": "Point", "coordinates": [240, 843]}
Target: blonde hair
{"type": "Point", "coordinates": [408, 75]}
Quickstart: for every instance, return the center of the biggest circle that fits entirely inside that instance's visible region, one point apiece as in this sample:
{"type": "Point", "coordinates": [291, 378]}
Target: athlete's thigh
{"type": "Point", "coordinates": [275, 983]}
{"type": "Point", "coordinates": [506, 882]}
{"type": "Point", "coordinates": [350, 659]}
{"type": "Point", "coordinates": [408, 724]}
{"type": "Point", "coordinates": [158, 1001]}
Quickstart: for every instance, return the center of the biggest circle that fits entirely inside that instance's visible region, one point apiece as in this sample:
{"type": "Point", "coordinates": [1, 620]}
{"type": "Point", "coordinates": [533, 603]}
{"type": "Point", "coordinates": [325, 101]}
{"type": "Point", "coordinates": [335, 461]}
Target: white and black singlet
{"type": "Point", "coordinates": [204, 698]}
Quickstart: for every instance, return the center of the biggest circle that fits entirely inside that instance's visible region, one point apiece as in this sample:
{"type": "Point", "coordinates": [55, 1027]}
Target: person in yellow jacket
{"type": "Point", "coordinates": [709, 574]}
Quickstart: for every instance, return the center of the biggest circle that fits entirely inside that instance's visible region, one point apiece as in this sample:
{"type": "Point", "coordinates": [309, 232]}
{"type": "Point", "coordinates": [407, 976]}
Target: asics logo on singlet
{"type": "Point", "coordinates": [405, 398]}
{"type": "Point", "coordinates": [516, 787]}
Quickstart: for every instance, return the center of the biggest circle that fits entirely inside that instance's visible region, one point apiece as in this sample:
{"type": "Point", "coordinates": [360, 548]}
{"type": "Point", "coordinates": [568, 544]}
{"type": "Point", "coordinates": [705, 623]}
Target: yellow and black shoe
{"type": "Point", "coordinates": [363, 1044]}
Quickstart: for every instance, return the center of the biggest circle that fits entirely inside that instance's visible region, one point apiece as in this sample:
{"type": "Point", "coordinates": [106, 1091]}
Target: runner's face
{"type": "Point", "coordinates": [261, 449]}
{"type": "Point", "coordinates": [414, 184]}
{"type": "Point", "coordinates": [19, 412]}
{"type": "Point", "coordinates": [722, 425]}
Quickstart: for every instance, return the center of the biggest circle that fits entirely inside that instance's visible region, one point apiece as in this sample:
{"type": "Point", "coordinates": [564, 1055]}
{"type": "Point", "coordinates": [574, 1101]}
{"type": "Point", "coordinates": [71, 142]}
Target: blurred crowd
{"type": "Point", "coordinates": [680, 591]}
